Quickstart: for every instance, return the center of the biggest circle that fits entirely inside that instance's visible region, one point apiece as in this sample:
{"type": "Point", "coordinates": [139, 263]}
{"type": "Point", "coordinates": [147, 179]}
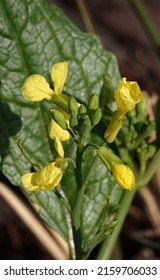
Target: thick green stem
{"type": "Point", "coordinates": [78, 204]}
{"type": "Point", "coordinates": [146, 22]}
{"type": "Point", "coordinates": [108, 245]}
{"type": "Point", "coordinates": [150, 170]}
{"type": "Point", "coordinates": [78, 169]}
{"type": "Point", "coordinates": [76, 213]}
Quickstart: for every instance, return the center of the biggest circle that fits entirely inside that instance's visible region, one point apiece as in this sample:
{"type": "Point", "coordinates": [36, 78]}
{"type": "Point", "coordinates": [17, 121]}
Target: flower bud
{"type": "Point", "coordinates": [61, 100]}
{"type": "Point", "coordinates": [123, 176]}
{"type": "Point", "coordinates": [73, 105]}
{"type": "Point", "coordinates": [96, 117]}
{"type": "Point", "coordinates": [151, 150]}
{"type": "Point", "coordinates": [85, 127]}
{"type": "Point", "coordinates": [107, 157]}
{"type": "Point", "coordinates": [82, 110]}
{"type": "Point", "coordinates": [93, 102]}
{"type": "Point", "coordinates": [142, 106]}
{"type": "Point", "coordinates": [73, 120]}
{"type": "Point", "coordinates": [73, 110]}
{"type": "Point", "coordinates": [122, 173]}
{"type": "Point", "coordinates": [59, 118]}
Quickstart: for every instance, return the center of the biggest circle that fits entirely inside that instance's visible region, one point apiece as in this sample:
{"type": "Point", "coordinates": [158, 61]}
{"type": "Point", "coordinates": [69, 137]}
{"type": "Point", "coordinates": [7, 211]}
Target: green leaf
{"type": "Point", "coordinates": [34, 35]}
{"type": "Point", "coordinates": [51, 210]}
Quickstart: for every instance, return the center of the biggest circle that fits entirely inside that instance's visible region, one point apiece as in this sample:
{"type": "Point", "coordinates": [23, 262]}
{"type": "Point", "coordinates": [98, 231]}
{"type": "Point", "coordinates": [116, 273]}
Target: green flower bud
{"type": "Point", "coordinates": [73, 109]}
{"type": "Point", "coordinates": [73, 105]}
{"type": "Point", "coordinates": [61, 100]}
{"type": "Point", "coordinates": [151, 151]}
{"type": "Point", "coordinates": [59, 118]}
{"type": "Point", "coordinates": [96, 117]}
{"type": "Point", "coordinates": [82, 110]}
{"type": "Point", "coordinates": [85, 127]}
{"type": "Point", "coordinates": [150, 128]}
{"type": "Point", "coordinates": [142, 106]}
{"type": "Point", "coordinates": [93, 102]}
{"type": "Point", "coordinates": [73, 120]}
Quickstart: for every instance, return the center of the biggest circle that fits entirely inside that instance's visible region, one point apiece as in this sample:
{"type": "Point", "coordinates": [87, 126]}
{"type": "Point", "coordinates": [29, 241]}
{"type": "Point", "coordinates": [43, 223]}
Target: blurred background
{"type": "Point", "coordinates": [121, 32]}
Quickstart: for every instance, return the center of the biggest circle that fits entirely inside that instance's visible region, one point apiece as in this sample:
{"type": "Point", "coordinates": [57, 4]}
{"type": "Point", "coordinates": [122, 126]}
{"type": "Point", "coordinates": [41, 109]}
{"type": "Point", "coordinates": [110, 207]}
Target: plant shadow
{"type": "Point", "coordinates": [10, 124]}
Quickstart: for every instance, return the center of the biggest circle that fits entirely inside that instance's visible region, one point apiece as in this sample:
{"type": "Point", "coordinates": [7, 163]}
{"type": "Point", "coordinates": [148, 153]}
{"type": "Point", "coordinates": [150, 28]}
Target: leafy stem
{"type": "Point", "coordinates": [150, 170]}
{"type": "Point", "coordinates": [108, 245]}
{"type": "Point", "coordinates": [81, 184]}
{"type": "Point", "coordinates": [76, 213]}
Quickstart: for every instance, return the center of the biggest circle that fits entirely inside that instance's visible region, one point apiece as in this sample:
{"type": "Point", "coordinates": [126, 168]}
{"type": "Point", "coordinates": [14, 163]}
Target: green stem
{"type": "Point", "coordinates": [108, 245]}
{"type": "Point", "coordinates": [146, 22]}
{"type": "Point", "coordinates": [150, 170]}
{"type": "Point", "coordinates": [76, 213]}
{"type": "Point", "coordinates": [62, 199]}
{"type": "Point", "coordinates": [35, 166]}
{"type": "Point", "coordinates": [78, 169]}
{"type": "Point", "coordinates": [85, 16]}
{"type": "Point", "coordinates": [78, 204]}
{"type": "Point", "coordinates": [142, 169]}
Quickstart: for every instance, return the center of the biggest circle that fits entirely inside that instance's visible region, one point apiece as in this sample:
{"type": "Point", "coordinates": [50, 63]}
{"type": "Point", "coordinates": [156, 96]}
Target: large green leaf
{"type": "Point", "coordinates": [34, 35]}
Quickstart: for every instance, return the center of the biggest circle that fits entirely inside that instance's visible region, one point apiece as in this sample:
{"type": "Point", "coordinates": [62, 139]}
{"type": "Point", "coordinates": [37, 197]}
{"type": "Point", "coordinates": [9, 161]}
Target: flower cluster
{"type": "Point", "coordinates": [127, 95]}
{"type": "Point", "coordinates": [36, 88]}
{"type": "Point", "coordinates": [71, 118]}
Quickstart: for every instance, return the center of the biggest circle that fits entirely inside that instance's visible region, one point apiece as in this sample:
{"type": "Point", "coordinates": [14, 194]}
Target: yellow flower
{"type": "Point", "coordinates": [46, 179]}
{"type": "Point", "coordinates": [123, 176]}
{"type": "Point", "coordinates": [127, 95]}
{"type": "Point", "coordinates": [121, 172]}
{"type": "Point", "coordinates": [36, 88]}
{"type": "Point", "coordinates": [59, 75]}
{"type": "Point", "coordinates": [58, 134]}
{"type": "Point", "coordinates": [114, 126]}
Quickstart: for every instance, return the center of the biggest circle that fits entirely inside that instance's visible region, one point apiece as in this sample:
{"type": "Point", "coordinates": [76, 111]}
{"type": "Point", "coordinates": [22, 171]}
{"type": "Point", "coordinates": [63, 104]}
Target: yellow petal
{"type": "Point", "coordinates": [36, 88]}
{"type": "Point", "coordinates": [123, 176]}
{"type": "Point", "coordinates": [127, 95]}
{"type": "Point", "coordinates": [114, 127]}
{"type": "Point", "coordinates": [59, 147]}
{"type": "Point", "coordinates": [59, 74]}
{"type": "Point", "coordinates": [46, 179]}
{"type": "Point", "coordinates": [55, 131]}
{"type": "Point", "coordinates": [135, 91]}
